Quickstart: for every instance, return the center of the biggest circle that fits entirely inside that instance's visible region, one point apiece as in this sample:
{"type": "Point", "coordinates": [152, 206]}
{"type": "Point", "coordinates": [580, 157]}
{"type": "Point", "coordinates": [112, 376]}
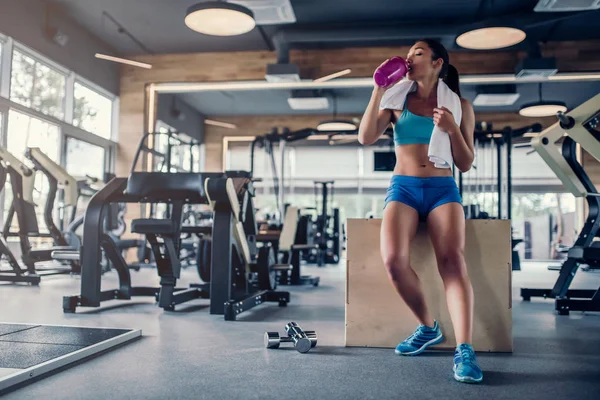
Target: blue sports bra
{"type": "Point", "coordinates": [412, 129]}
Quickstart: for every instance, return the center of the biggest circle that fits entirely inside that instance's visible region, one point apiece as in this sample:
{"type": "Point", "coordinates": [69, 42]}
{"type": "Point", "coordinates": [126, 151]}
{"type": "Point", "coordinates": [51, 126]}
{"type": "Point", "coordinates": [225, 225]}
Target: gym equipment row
{"type": "Point", "coordinates": [581, 125]}
{"type": "Point", "coordinates": [22, 179]}
{"type": "Point", "coordinates": [493, 174]}
{"type": "Point", "coordinates": [320, 233]}
{"type": "Point", "coordinates": [242, 275]}
{"type": "Point", "coordinates": [72, 190]}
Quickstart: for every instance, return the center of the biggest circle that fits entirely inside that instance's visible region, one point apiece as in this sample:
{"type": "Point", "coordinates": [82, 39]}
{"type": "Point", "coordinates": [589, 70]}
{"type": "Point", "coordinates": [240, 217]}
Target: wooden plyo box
{"type": "Point", "coordinates": [376, 316]}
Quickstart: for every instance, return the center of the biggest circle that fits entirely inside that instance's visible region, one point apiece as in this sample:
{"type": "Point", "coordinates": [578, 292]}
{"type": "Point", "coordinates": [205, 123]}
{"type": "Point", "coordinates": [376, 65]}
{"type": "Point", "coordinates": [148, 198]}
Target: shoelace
{"type": "Point", "coordinates": [411, 338]}
{"type": "Point", "coordinates": [466, 355]}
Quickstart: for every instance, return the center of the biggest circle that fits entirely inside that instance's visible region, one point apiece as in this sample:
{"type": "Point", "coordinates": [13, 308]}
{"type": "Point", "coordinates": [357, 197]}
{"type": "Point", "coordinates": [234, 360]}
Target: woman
{"type": "Point", "coordinates": [420, 190]}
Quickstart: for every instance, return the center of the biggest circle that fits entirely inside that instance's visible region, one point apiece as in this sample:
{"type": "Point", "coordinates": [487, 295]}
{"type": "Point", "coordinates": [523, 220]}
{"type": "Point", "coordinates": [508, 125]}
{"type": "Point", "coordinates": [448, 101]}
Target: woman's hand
{"type": "Point", "coordinates": [443, 118]}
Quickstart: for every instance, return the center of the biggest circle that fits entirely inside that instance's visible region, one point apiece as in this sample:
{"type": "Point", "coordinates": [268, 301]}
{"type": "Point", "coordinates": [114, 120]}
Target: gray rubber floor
{"type": "Point", "coordinates": [190, 354]}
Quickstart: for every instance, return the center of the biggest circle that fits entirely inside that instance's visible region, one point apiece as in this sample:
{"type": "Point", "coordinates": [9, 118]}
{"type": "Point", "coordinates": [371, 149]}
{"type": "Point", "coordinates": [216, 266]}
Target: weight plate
{"type": "Point", "coordinates": [272, 340]}
{"type": "Point", "coordinates": [204, 259]}
{"type": "Point", "coordinates": [267, 276]}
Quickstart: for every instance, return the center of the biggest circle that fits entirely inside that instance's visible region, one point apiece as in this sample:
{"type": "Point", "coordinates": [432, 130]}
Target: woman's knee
{"type": "Point", "coordinates": [451, 263]}
{"type": "Point", "coordinates": [396, 263]}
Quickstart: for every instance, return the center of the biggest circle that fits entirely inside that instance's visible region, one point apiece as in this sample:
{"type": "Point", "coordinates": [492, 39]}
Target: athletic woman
{"type": "Point", "coordinates": [420, 190]}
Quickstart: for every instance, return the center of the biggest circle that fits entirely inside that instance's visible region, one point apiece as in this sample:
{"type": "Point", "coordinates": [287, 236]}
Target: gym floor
{"type": "Point", "coordinates": [192, 354]}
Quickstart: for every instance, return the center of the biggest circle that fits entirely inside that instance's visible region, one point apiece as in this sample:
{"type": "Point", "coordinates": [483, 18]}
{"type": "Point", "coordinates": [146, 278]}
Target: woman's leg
{"type": "Point", "coordinates": [398, 227]}
{"type": "Point", "coordinates": [446, 227]}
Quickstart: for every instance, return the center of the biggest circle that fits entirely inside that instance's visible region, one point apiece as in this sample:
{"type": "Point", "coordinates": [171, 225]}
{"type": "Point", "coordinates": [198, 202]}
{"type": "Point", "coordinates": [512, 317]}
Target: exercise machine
{"type": "Point", "coordinates": [243, 275]}
{"type": "Point", "coordinates": [581, 125]}
{"type": "Point", "coordinates": [58, 178]}
{"type": "Point", "coordinates": [240, 278]}
{"type": "Point", "coordinates": [493, 173]}
{"type": "Point", "coordinates": [267, 142]}
{"type": "Point", "coordinates": [22, 179]}
{"type": "Point", "coordinates": [327, 235]}
{"type": "Point", "coordinates": [291, 250]}
{"type": "Point", "coordinates": [15, 273]}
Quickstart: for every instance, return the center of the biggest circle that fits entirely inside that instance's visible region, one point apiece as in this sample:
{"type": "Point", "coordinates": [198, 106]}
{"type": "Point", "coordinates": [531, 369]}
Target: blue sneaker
{"type": "Point", "coordinates": [423, 337]}
{"type": "Point", "coordinates": [466, 368]}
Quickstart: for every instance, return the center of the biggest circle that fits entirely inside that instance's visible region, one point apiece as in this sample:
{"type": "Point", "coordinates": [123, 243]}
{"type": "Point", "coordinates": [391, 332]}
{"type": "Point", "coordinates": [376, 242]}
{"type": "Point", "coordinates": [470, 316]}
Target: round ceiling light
{"type": "Point", "coordinates": [491, 38]}
{"type": "Point", "coordinates": [336, 126]}
{"type": "Point", "coordinates": [542, 109]}
{"type": "Point", "coordinates": [219, 18]}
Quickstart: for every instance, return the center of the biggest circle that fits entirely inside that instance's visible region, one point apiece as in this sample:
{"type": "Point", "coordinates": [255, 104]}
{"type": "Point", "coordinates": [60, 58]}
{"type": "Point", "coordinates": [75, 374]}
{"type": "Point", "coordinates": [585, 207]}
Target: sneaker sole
{"type": "Point", "coordinates": [466, 379]}
{"type": "Point", "coordinates": [422, 348]}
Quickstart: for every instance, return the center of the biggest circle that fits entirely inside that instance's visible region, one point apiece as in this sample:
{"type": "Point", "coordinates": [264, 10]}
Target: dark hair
{"type": "Point", "coordinates": [448, 73]}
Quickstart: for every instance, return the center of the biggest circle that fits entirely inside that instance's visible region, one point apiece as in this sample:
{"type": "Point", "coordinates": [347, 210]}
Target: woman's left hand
{"type": "Point", "coordinates": [443, 118]}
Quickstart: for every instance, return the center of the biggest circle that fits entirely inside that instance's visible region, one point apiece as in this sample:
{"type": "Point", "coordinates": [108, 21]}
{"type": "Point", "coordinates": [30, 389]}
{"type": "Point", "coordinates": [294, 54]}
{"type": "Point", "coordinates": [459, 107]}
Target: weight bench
{"type": "Point", "coordinates": [163, 235]}
{"type": "Point", "coordinates": [292, 252]}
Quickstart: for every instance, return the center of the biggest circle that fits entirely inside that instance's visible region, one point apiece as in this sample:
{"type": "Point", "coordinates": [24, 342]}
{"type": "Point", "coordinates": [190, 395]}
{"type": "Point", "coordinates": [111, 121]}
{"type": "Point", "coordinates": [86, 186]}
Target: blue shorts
{"type": "Point", "coordinates": [423, 194]}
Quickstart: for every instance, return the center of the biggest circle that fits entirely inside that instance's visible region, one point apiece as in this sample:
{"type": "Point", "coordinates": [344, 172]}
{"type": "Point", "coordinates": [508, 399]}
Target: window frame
{"type": "Point", "coordinates": [5, 65]}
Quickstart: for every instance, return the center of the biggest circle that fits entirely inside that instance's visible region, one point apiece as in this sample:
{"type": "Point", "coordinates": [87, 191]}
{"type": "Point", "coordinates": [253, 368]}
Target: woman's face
{"type": "Point", "coordinates": [420, 62]}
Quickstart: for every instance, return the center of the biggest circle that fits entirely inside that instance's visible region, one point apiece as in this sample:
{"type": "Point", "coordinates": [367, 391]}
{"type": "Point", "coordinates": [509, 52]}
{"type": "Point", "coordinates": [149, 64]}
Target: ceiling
{"type": "Point", "coordinates": [158, 24]}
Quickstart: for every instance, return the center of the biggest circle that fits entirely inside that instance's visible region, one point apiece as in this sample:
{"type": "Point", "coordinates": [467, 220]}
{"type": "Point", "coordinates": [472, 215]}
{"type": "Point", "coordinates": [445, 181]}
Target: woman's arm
{"type": "Point", "coordinates": [461, 138]}
{"type": "Point", "coordinates": [374, 121]}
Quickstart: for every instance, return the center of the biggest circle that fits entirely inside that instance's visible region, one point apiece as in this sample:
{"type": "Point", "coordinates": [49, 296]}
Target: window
{"type": "Point", "coordinates": [83, 158]}
{"type": "Point", "coordinates": [38, 86]}
{"type": "Point", "coordinates": [50, 107]}
{"type": "Point", "coordinates": [92, 111]}
{"type": "Point", "coordinates": [191, 161]}
{"type": "Point", "coordinates": [182, 150]}
{"type": "Point", "coordinates": [546, 222]}
{"type": "Point", "coordinates": [25, 131]}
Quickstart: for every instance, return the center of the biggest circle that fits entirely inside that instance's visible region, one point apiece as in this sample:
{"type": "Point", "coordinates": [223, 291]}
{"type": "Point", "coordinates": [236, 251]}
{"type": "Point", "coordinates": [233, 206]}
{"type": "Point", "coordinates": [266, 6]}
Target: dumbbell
{"type": "Point", "coordinates": [303, 340]}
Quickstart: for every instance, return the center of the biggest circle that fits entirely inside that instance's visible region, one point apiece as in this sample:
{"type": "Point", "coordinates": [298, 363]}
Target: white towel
{"type": "Point", "coordinates": [440, 150]}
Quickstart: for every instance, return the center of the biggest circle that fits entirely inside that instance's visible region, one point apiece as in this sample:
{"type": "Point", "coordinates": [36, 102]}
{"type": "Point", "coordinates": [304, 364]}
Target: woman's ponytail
{"type": "Point", "coordinates": [452, 80]}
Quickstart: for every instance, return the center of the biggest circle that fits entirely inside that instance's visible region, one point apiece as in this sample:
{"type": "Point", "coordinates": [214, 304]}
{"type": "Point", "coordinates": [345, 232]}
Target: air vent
{"type": "Point", "coordinates": [307, 100]}
{"type": "Point", "coordinates": [535, 68]}
{"type": "Point", "coordinates": [566, 5]}
{"type": "Point", "coordinates": [278, 73]}
{"type": "Point", "coordinates": [269, 12]}
{"type": "Point", "coordinates": [496, 95]}
{"type": "Point", "coordinates": [495, 100]}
